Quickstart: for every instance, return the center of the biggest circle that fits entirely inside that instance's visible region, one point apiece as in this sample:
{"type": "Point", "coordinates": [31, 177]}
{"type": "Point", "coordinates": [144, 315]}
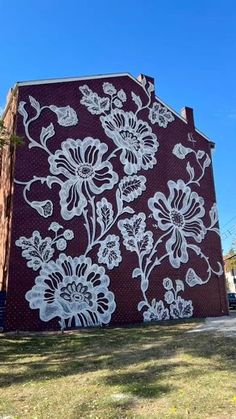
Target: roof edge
{"type": "Point", "coordinates": [68, 79]}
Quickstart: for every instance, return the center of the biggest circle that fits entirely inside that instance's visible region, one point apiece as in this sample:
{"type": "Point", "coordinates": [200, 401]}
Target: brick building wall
{"type": "Point", "coordinates": [7, 159]}
{"type": "Point", "coordinates": [114, 214]}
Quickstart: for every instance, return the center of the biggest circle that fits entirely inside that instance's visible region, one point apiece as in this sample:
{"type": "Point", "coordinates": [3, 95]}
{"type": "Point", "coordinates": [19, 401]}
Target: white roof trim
{"type": "Point", "coordinates": [101, 76]}
{"type": "Point", "coordinates": [68, 79]}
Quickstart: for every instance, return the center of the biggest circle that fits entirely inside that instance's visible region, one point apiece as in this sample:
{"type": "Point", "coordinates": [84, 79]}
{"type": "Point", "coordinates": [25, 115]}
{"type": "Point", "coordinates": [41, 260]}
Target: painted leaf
{"type": "Point", "coordinates": [144, 285]}
{"type": "Point", "coordinates": [47, 133]}
{"type": "Point", "coordinates": [136, 272]}
{"type": "Point", "coordinates": [129, 210]}
{"type": "Point", "coordinates": [136, 226]}
{"type": "Point", "coordinates": [213, 215]}
{"type": "Point", "coordinates": [109, 251]}
{"type": "Point", "coordinates": [85, 90]}
{"type": "Point", "coordinates": [36, 250]}
{"type": "Point", "coordinates": [144, 81]}
{"type": "Point", "coordinates": [150, 87]}
{"type": "Point", "coordinates": [146, 242]}
{"type": "Point", "coordinates": [131, 187]}
{"type": "Point", "coordinates": [104, 213]}
{"type": "Point", "coordinates": [119, 201]}
{"type": "Point", "coordinates": [179, 285]}
{"type": "Point", "coordinates": [137, 100]}
{"type": "Point", "coordinates": [190, 170]}
{"type": "Point", "coordinates": [22, 111]}
{"type": "Point", "coordinates": [95, 104]}
{"type": "Point", "coordinates": [187, 309]}
{"type": "Point", "coordinates": [141, 304]}
{"type": "Point", "coordinates": [206, 162]}
{"type": "Point", "coordinates": [34, 103]}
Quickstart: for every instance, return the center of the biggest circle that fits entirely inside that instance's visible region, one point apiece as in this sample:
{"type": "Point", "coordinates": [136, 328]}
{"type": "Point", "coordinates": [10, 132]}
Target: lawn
{"type": "Point", "coordinates": [146, 371]}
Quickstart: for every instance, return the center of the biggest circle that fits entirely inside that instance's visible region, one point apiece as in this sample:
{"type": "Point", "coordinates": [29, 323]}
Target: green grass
{"type": "Point", "coordinates": [146, 371]}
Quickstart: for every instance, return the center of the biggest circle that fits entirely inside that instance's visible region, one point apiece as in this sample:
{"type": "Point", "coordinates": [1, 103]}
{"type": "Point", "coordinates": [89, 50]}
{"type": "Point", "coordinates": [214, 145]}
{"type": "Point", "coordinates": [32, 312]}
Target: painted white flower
{"type": "Point", "coordinates": [169, 297]}
{"type": "Point", "coordinates": [44, 208]}
{"type": "Point", "coordinates": [109, 89]}
{"type": "Point", "coordinates": [68, 234]}
{"type": "Point", "coordinates": [66, 116]}
{"type": "Point", "coordinates": [159, 114]}
{"type": "Point", "coordinates": [134, 137]}
{"type": "Point", "coordinates": [181, 308]}
{"type": "Point", "coordinates": [36, 250]}
{"type": "Point", "coordinates": [122, 95]}
{"type": "Point", "coordinates": [192, 278]}
{"type": "Point", "coordinates": [167, 283]}
{"type": "Point", "coordinates": [156, 312]}
{"type": "Point", "coordinates": [54, 226]}
{"type": "Point", "coordinates": [109, 252]}
{"type": "Point", "coordinates": [180, 151]}
{"type": "Point", "coordinates": [181, 215]}
{"type": "Point", "coordinates": [118, 103]}
{"type": "Point", "coordinates": [73, 289]}
{"type": "Point", "coordinates": [61, 244]}
{"type": "Point", "coordinates": [81, 163]}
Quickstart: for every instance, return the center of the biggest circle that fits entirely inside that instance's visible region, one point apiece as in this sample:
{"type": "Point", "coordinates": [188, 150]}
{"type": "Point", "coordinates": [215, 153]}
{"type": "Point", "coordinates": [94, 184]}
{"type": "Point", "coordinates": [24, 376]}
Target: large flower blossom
{"type": "Point", "coordinates": [73, 289]}
{"type": "Point", "coordinates": [180, 215]}
{"type": "Point", "coordinates": [134, 137]}
{"type": "Point", "coordinates": [80, 162]}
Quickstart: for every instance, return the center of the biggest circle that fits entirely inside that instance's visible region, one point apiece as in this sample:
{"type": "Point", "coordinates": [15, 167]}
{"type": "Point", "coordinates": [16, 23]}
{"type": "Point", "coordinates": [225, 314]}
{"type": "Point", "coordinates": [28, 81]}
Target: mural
{"type": "Point", "coordinates": [99, 181]}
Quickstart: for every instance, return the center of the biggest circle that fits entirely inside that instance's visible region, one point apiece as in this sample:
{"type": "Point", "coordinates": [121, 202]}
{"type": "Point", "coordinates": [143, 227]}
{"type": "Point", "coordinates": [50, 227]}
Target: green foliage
{"type": "Point", "coordinates": [6, 137]}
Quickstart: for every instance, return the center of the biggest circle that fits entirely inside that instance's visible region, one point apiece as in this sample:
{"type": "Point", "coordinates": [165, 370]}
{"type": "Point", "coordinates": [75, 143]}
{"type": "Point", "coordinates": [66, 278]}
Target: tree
{"type": "Point", "coordinates": [230, 260]}
{"type": "Point", "coordinates": [6, 137]}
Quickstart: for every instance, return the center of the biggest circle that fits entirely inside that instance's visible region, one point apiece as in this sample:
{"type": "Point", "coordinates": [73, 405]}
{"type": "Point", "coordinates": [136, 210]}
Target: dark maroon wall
{"type": "Point", "coordinates": [155, 171]}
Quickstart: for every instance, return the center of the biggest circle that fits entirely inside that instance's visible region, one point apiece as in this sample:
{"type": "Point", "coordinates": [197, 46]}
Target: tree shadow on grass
{"type": "Point", "coordinates": [146, 348]}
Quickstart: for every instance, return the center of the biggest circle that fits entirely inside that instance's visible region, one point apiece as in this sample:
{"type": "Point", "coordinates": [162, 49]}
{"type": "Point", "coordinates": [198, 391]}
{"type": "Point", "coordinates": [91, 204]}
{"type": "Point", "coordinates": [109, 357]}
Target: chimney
{"type": "Point", "coordinates": [187, 113]}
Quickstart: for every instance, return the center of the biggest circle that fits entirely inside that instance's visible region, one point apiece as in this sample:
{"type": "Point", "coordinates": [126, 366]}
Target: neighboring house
{"type": "Point", "coordinates": [113, 218]}
{"type": "Point", "coordinates": [231, 280]}
{"type": "Point", "coordinates": [230, 274]}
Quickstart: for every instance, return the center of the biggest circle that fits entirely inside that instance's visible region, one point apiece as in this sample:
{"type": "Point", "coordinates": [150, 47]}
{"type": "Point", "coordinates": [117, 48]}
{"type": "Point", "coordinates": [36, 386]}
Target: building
{"type": "Point", "coordinates": [230, 272]}
{"type": "Point", "coordinates": [112, 216]}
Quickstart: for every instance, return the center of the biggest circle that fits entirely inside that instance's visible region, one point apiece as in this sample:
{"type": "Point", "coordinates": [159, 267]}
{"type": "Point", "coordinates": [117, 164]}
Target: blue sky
{"type": "Point", "coordinates": [189, 47]}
